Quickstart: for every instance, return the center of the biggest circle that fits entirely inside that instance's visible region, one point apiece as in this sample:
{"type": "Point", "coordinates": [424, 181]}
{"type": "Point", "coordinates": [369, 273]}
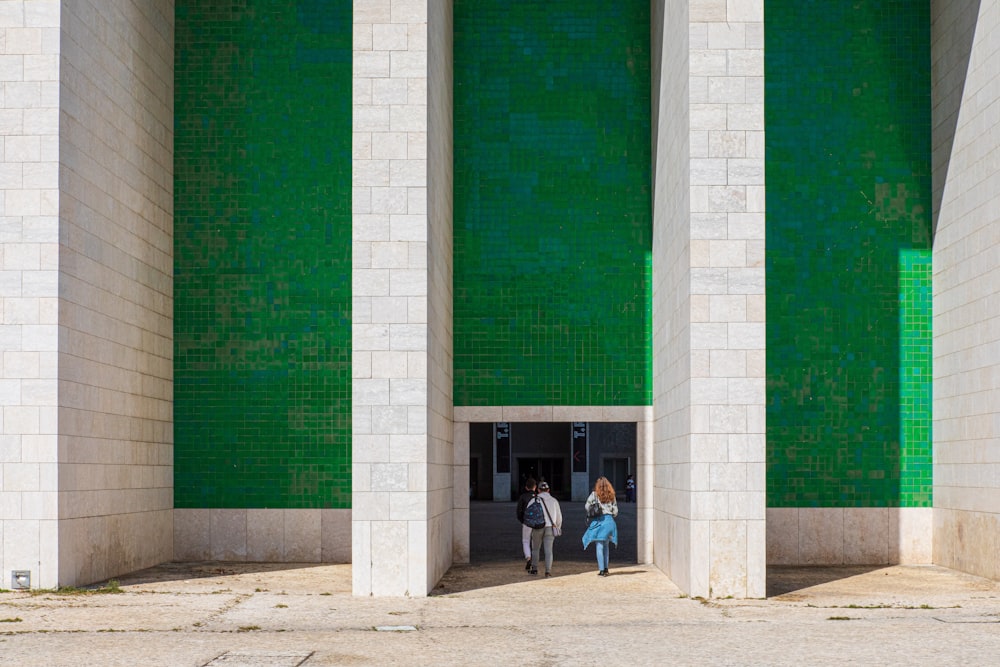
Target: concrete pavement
{"type": "Point", "coordinates": [492, 612]}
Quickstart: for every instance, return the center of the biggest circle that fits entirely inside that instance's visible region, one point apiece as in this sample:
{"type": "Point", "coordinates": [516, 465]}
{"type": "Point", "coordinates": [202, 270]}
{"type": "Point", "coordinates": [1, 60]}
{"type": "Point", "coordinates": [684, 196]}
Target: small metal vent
{"type": "Point", "coordinates": [20, 579]}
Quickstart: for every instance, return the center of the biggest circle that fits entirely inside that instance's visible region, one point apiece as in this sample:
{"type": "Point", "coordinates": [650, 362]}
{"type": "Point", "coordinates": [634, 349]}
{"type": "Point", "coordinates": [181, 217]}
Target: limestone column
{"type": "Point", "coordinates": [29, 292]}
{"type": "Point", "coordinates": [708, 300]}
{"type": "Point", "coordinates": [86, 193]}
{"type": "Point", "coordinates": [403, 457]}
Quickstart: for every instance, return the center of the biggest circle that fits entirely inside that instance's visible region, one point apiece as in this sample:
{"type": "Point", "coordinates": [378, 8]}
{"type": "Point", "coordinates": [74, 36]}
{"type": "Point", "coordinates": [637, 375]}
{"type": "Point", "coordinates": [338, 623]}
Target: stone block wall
{"type": "Point", "coordinates": [115, 367]}
{"type": "Point", "coordinates": [965, 37]}
{"type": "Point", "coordinates": [402, 436]}
{"type": "Point", "coordinates": [709, 298]}
{"type": "Point", "coordinates": [29, 291]}
{"type": "Point", "coordinates": [86, 485]}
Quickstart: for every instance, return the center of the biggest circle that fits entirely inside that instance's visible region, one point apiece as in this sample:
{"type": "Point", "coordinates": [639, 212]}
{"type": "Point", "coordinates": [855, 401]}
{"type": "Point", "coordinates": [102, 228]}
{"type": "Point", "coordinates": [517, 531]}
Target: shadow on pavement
{"type": "Point", "coordinates": [188, 570]}
{"type": "Point", "coordinates": [782, 580]}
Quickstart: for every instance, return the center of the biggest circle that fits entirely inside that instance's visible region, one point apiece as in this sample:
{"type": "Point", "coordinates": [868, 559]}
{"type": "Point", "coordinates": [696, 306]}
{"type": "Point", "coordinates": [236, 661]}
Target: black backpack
{"type": "Point", "coordinates": [534, 513]}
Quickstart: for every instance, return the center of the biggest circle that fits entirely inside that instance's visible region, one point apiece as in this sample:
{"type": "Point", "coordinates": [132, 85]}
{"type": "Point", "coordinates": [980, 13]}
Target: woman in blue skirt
{"type": "Point", "coordinates": [602, 508]}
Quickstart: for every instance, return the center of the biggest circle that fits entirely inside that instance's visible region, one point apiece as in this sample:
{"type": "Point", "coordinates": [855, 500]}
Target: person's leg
{"type": "Point", "coordinates": [550, 540]}
{"type": "Point", "coordinates": [526, 545]}
{"type": "Point", "coordinates": [602, 545]}
{"type": "Point", "coordinates": [607, 555]}
{"type": "Point", "coordinates": [536, 545]}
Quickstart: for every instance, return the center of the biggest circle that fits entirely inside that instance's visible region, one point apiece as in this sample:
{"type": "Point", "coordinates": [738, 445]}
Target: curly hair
{"type": "Point", "coordinates": [603, 490]}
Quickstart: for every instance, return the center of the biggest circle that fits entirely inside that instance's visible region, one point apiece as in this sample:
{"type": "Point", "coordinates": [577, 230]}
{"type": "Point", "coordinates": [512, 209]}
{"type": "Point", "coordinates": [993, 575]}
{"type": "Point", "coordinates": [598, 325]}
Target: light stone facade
{"type": "Point", "coordinates": [403, 470]}
{"type": "Point", "coordinates": [86, 489]}
{"type": "Point", "coordinates": [965, 36]}
{"type": "Point", "coordinates": [29, 334]}
{"type": "Point", "coordinates": [849, 535]}
{"type": "Point", "coordinates": [115, 357]}
{"type": "Point", "coordinates": [708, 296]}
{"type": "Point", "coordinates": [262, 535]}
{"type": "Point", "coordinates": [86, 305]}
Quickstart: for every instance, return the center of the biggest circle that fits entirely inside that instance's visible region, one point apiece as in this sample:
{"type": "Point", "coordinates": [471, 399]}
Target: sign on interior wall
{"type": "Point", "coordinates": [579, 446]}
{"type": "Point", "coordinates": [501, 440]}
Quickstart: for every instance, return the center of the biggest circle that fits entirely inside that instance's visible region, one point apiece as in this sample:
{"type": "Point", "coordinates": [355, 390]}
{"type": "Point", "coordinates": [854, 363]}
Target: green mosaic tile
{"type": "Point", "coordinates": [848, 271]}
{"type": "Point", "coordinates": [262, 399]}
{"type": "Point", "coordinates": [552, 203]}
{"type": "Point", "coordinates": [915, 378]}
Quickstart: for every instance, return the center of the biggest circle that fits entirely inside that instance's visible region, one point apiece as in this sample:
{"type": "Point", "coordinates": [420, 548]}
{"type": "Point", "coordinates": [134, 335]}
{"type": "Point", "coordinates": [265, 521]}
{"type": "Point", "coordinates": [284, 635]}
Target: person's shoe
{"type": "Point", "coordinates": [605, 573]}
{"type": "Point", "coordinates": [548, 574]}
{"type": "Point", "coordinates": [534, 571]}
{"type": "Point", "coordinates": [600, 573]}
{"type": "Point", "coordinates": [527, 563]}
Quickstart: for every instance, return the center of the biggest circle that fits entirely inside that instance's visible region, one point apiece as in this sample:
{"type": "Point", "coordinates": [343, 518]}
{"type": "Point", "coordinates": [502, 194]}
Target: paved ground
{"type": "Point", "coordinates": [492, 613]}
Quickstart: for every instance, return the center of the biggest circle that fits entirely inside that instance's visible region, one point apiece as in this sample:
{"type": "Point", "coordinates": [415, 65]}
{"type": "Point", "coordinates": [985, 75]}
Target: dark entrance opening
{"type": "Point", "coordinates": [544, 450]}
{"type": "Point", "coordinates": [495, 536]}
{"type": "Point", "coordinates": [551, 470]}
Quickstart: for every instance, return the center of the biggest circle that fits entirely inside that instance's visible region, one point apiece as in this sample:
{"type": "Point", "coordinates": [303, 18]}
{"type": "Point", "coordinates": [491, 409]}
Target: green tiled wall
{"type": "Point", "coordinates": [848, 269]}
{"type": "Point", "coordinates": [915, 377]}
{"type": "Point", "coordinates": [552, 203]}
{"type": "Point", "coordinates": [262, 254]}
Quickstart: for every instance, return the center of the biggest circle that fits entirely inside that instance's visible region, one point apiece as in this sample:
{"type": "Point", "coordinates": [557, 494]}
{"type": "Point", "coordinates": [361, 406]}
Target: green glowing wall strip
{"type": "Point", "coordinates": [848, 238]}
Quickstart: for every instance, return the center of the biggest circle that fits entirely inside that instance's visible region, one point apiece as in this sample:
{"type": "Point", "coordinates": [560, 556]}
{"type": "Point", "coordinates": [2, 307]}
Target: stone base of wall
{"type": "Point", "coordinates": [967, 541]}
{"type": "Point", "coordinates": [849, 536]}
{"type": "Point", "coordinates": [94, 549]}
{"type": "Point", "coordinates": [263, 535]}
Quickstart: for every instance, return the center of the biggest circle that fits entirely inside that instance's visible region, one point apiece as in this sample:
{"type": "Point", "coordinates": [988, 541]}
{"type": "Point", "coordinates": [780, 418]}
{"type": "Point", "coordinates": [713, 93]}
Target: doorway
{"type": "Point", "coordinates": [550, 469]}
{"type": "Point", "coordinates": [616, 470]}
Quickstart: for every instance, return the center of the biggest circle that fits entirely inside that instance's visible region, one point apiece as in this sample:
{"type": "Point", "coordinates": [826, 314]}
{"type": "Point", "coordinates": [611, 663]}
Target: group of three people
{"type": "Point", "coordinates": [538, 533]}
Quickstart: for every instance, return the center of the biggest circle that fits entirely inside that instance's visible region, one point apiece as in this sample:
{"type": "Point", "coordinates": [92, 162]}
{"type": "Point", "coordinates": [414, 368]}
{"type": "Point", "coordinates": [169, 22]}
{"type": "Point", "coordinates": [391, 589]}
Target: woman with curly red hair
{"type": "Point", "coordinates": [602, 508]}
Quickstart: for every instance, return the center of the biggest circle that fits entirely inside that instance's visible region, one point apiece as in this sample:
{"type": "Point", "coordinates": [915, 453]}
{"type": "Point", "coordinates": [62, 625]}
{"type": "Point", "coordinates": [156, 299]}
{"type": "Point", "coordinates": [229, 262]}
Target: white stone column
{"type": "Point", "coordinates": [402, 434]}
{"type": "Point", "coordinates": [708, 300]}
{"type": "Point", "coordinates": [86, 462]}
{"type": "Point", "coordinates": [29, 291]}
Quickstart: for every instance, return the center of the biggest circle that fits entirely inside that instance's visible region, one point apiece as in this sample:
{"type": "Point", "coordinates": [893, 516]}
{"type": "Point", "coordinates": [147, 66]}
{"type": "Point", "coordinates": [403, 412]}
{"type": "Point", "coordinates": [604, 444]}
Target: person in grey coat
{"type": "Point", "coordinates": [546, 535]}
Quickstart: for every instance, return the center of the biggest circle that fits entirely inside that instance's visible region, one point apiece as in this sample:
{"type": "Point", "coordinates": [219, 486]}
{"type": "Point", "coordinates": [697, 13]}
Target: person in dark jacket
{"type": "Point", "coordinates": [530, 490]}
